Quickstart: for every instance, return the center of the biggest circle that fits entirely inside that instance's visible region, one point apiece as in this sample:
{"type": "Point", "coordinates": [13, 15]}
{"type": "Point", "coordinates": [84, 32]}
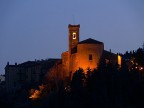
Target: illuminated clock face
{"type": "Point", "coordinates": [74, 35]}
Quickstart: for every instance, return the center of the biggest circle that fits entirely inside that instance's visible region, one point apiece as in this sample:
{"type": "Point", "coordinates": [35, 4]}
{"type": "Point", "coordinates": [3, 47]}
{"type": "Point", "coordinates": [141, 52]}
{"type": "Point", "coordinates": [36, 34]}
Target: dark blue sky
{"type": "Point", "coordinates": [37, 29]}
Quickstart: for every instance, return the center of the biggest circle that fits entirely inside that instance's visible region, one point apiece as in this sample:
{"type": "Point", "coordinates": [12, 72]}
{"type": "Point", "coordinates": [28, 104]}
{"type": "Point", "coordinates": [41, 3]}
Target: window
{"type": "Point", "coordinates": [90, 56]}
{"type": "Point", "coordinates": [74, 35]}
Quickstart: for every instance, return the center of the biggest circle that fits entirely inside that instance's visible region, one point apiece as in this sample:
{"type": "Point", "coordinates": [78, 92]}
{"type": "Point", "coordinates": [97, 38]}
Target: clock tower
{"type": "Point", "coordinates": [73, 37]}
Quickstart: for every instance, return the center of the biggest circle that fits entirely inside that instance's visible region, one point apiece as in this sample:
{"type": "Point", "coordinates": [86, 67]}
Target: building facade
{"type": "Point", "coordinates": [84, 54]}
{"type": "Point", "coordinates": [28, 74]}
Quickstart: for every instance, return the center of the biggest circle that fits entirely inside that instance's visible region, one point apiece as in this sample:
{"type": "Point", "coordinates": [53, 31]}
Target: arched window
{"type": "Point", "coordinates": [74, 35]}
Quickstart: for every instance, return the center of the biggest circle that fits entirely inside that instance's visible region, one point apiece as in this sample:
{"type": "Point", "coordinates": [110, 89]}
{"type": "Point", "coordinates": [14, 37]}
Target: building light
{"type": "Point", "coordinates": [119, 60]}
{"type": "Point", "coordinates": [74, 35]}
{"type": "Point", "coordinates": [141, 68]}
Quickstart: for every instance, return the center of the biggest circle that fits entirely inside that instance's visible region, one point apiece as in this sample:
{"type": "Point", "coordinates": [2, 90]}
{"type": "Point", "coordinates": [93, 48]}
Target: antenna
{"type": "Point", "coordinates": [73, 19]}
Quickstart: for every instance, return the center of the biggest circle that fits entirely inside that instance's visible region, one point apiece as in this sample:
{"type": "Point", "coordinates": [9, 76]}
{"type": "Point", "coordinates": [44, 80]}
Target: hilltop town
{"type": "Point", "coordinates": [85, 73]}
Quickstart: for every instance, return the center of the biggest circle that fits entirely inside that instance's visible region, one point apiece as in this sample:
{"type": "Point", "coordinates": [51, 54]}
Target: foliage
{"type": "Point", "coordinates": [108, 86]}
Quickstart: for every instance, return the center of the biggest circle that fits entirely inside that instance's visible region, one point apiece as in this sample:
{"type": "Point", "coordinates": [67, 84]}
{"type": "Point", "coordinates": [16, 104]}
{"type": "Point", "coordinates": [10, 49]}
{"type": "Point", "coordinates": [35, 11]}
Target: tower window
{"type": "Point", "coordinates": [90, 56]}
{"type": "Point", "coordinates": [74, 35]}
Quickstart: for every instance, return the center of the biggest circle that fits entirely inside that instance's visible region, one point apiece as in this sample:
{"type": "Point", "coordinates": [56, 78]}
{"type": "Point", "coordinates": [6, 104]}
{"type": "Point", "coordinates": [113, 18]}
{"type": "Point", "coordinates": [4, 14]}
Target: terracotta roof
{"type": "Point", "coordinates": [90, 41]}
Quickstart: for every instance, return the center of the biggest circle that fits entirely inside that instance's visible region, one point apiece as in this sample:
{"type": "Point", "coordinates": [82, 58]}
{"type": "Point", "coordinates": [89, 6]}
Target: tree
{"type": "Point", "coordinates": [78, 80]}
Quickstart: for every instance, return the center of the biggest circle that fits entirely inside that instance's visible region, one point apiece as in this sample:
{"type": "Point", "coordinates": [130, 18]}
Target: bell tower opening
{"type": "Point", "coordinates": [73, 38]}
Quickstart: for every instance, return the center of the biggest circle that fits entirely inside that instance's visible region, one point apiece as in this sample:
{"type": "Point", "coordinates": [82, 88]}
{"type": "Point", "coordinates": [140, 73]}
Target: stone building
{"type": "Point", "coordinates": [27, 74]}
{"type": "Point", "coordinates": [83, 54]}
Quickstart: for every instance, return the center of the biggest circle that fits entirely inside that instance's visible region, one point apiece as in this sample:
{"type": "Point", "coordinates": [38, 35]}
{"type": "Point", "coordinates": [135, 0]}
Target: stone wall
{"type": "Point", "coordinates": [84, 51]}
{"type": "Point", "coordinates": [65, 64]}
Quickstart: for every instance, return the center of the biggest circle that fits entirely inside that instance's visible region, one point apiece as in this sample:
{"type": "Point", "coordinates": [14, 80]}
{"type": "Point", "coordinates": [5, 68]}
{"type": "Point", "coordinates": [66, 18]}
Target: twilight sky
{"type": "Point", "coordinates": [38, 29]}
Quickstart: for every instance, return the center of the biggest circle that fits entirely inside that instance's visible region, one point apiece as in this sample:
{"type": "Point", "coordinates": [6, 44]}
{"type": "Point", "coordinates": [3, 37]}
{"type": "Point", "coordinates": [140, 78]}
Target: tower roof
{"type": "Point", "coordinates": [70, 25]}
{"type": "Point", "coordinates": [90, 41]}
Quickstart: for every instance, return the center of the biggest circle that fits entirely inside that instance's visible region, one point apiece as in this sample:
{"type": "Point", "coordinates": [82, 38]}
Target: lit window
{"type": "Point", "coordinates": [74, 35]}
{"type": "Point", "coordinates": [90, 56]}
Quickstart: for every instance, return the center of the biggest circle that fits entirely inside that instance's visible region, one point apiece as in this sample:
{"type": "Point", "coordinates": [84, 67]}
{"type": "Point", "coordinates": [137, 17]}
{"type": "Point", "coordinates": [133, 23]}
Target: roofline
{"type": "Point", "coordinates": [70, 25]}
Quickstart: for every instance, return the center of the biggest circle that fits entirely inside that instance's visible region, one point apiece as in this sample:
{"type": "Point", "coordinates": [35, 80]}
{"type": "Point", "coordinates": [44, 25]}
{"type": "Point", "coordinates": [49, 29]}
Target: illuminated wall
{"type": "Point", "coordinates": [65, 64]}
{"type": "Point", "coordinates": [119, 60]}
{"type": "Point", "coordinates": [82, 58]}
{"type": "Point", "coordinates": [88, 55]}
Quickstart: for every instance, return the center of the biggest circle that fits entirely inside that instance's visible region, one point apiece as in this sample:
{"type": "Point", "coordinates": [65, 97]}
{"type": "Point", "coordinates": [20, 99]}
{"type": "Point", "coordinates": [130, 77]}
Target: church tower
{"type": "Point", "coordinates": [73, 37]}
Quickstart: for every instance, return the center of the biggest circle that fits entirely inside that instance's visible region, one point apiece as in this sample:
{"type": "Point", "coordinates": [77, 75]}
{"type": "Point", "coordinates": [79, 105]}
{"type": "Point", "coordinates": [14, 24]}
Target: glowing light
{"type": "Point", "coordinates": [74, 35]}
{"type": "Point", "coordinates": [132, 61]}
{"type": "Point", "coordinates": [68, 88]}
{"type": "Point", "coordinates": [119, 60]}
{"type": "Point", "coordinates": [141, 68]}
{"type": "Point", "coordinates": [35, 94]}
